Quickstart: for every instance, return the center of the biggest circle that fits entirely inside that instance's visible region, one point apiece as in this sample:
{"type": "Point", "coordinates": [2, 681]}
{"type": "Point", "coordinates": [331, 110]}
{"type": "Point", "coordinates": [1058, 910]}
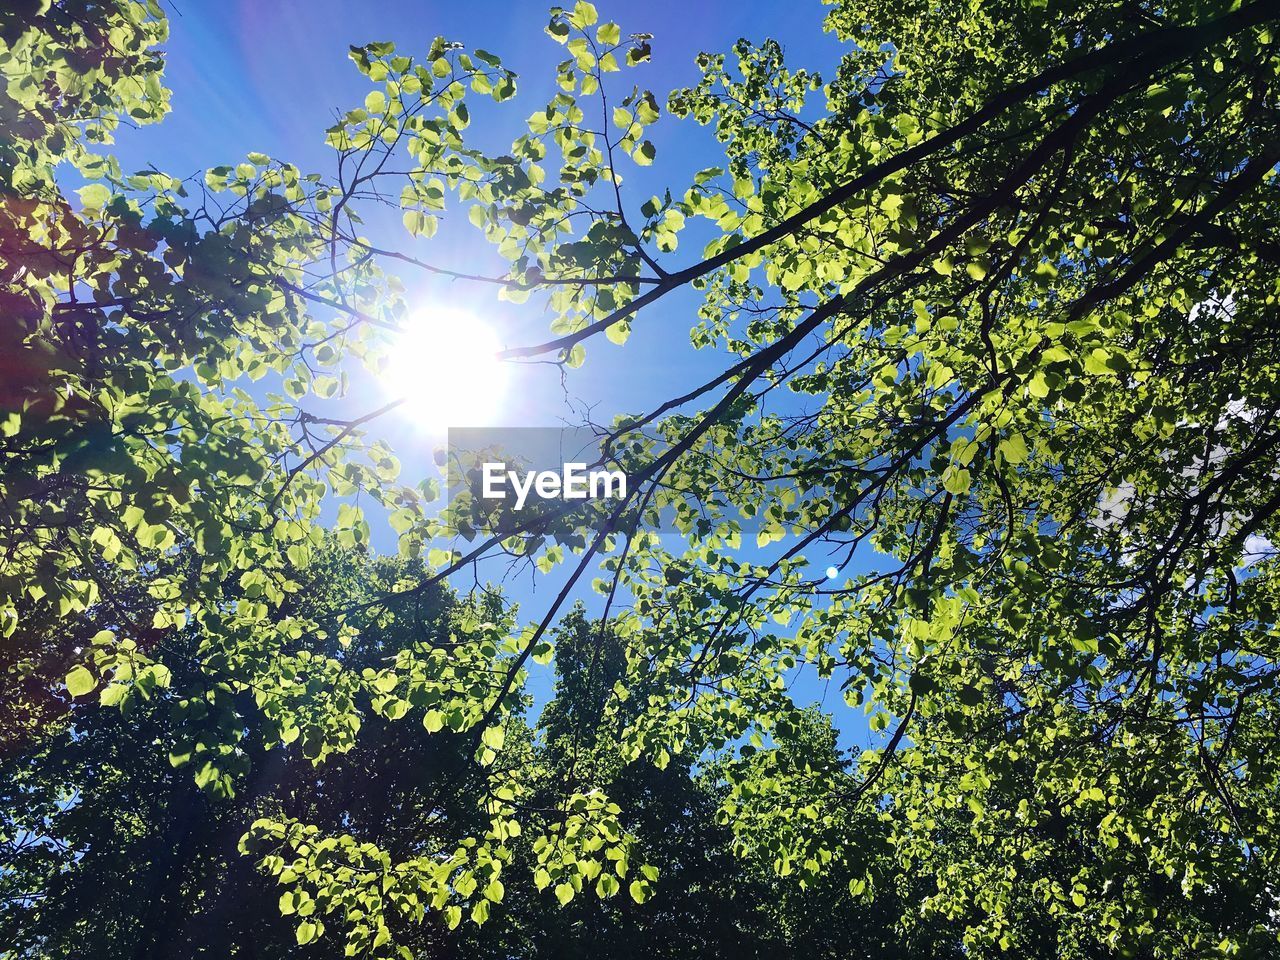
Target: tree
{"type": "Point", "coordinates": [109, 839]}
{"type": "Point", "coordinates": [107, 842]}
{"type": "Point", "coordinates": [1001, 317]}
{"type": "Point", "coordinates": [716, 898]}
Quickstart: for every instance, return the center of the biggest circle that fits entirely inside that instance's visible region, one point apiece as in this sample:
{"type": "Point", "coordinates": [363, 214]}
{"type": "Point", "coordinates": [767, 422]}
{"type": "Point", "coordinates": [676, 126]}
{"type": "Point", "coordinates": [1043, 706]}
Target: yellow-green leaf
{"type": "Point", "coordinates": [80, 681]}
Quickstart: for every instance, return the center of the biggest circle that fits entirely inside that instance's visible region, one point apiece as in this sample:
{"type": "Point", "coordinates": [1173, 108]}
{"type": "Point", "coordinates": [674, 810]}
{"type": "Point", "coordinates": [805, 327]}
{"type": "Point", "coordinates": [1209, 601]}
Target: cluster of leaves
{"type": "Point", "coordinates": [136, 449]}
{"type": "Point", "coordinates": [999, 321]}
{"type": "Point", "coordinates": [104, 839]}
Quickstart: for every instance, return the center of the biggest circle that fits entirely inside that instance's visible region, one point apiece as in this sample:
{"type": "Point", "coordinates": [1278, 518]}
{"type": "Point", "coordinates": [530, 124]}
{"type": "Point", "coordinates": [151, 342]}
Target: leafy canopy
{"type": "Point", "coordinates": [998, 313]}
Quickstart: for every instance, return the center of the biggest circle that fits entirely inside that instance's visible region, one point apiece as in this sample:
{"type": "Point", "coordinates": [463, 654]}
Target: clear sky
{"type": "Point", "coordinates": [248, 75]}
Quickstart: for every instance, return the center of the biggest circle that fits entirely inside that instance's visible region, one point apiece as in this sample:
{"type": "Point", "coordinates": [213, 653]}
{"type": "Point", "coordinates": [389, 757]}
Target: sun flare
{"type": "Point", "coordinates": [444, 364]}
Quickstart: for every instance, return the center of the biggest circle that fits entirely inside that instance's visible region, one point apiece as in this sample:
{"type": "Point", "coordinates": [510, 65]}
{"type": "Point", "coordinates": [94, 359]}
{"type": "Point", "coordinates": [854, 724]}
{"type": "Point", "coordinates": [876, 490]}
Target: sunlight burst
{"type": "Point", "coordinates": [444, 363]}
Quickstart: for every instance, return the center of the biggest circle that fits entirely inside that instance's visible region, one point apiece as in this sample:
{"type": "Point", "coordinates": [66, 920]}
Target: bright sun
{"type": "Point", "coordinates": [444, 364]}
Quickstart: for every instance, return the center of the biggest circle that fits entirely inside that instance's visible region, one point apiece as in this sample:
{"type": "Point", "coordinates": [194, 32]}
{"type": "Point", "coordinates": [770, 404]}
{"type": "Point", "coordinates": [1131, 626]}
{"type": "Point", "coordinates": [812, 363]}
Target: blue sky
{"type": "Point", "coordinates": [269, 77]}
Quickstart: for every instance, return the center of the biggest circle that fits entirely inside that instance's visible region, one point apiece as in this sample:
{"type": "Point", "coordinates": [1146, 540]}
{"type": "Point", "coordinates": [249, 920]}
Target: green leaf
{"type": "Point", "coordinates": [956, 480]}
{"type": "Point", "coordinates": [95, 196]}
{"type": "Point", "coordinates": [113, 694]}
{"type": "Point", "coordinates": [618, 332]}
{"type": "Point", "coordinates": [80, 681]}
{"type": "Point", "coordinates": [558, 29]}
{"type": "Point", "coordinates": [640, 53]}
{"type": "Point", "coordinates": [607, 885]}
{"type": "Point", "coordinates": [1014, 448]}
{"type": "Point", "coordinates": [583, 15]}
